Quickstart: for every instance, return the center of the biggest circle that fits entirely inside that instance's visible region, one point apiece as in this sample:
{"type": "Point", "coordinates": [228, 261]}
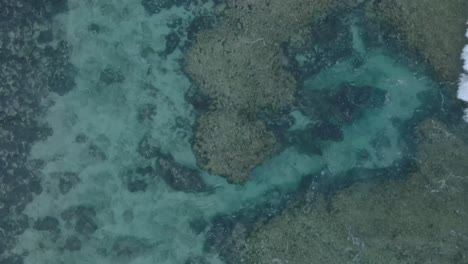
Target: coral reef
{"type": "Point", "coordinates": [418, 220]}
{"type": "Point", "coordinates": [241, 66]}
{"type": "Point", "coordinates": [30, 70]}
{"type": "Point", "coordinates": [435, 29]}
{"type": "Point", "coordinates": [230, 145]}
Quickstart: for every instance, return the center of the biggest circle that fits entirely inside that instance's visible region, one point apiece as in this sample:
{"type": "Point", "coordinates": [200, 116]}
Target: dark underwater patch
{"type": "Point", "coordinates": [81, 218]}
{"type": "Point", "coordinates": [62, 73]}
{"type": "Point", "coordinates": [47, 223]}
{"type": "Point", "coordinates": [155, 6]}
{"type": "Point", "coordinates": [111, 75]}
{"type": "Point", "coordinates": [81, 138]}
{"type": "Point", "coordinates": [198, 225]}
{"type": "Point", "coordinates": [147, 148]}
{"type": "Point", "coordinates": [94, 28]}
{"type": "Point", "coordinates": [200, 23]}
{"type": "Point", "coordinates": [129, 247]}
{"type": "Point", "coordinates": [179, 177]}
{"type": "Point", "coordinates": [327, 184]}
{"type": "Point", "coordinates": [146, 113]}
{"type": "Point", "coordinates": [196, 260]}
{"type": "Point", "coordinates": [13, 259]}
{"type": "Point", "coordinates": [45, 36]}
{"type": "Point", "coordinates": [137, 180]}
{"type": "Point", "coordinates": [172, 42]}
{"type": "Point", "coordinates": [72, 243]}
{"type": "Point", "coordinates": [352, 101]}
{"type": "Point", "coordinates": [222, 227]}
{"type": "Point", "coordinates": [329, 41]}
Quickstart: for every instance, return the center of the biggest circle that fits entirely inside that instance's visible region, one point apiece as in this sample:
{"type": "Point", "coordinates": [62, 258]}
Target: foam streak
{"type": "Point", "coordinates": [463, 87]}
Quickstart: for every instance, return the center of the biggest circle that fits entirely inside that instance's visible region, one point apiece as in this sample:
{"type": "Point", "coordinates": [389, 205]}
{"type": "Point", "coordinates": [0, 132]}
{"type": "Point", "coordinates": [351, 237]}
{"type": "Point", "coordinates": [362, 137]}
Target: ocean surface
{"type": "Point", "coordinates": [99, 167]}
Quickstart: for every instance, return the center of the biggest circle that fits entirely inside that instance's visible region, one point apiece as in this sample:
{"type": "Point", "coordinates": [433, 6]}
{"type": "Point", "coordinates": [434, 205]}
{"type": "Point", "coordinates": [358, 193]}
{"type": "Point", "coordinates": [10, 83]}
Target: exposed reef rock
{"type": "Point", "coordinates": [418, 220]}
{"type": "Point", "coordinates": [241, 66]}
{"type": "Point", "coordinates": [230, 145]}
{"type": "Point", "coordinates": [244, 76]}
{"type": "Point", "coordinates": [435, 29]}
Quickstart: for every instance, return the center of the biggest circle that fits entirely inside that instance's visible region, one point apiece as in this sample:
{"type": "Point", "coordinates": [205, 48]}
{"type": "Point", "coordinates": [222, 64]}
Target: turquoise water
{"type": "Point", "coordinates": [96, 133]}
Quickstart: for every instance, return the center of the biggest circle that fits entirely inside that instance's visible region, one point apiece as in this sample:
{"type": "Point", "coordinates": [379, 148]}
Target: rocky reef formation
{"type": "Point", "coordinates": [31, 67]}
{"type": "Point", "coordinates": [178, 177]}
{"type": "Point", "coordinates": [241, 68]}
{"type": "Point", "coordinates": [228, 144]}
{"type": "Point", "coordinates": [434, 29]}
{"type": "Point", "coordinates": [174, 174]}
{"type": "Point", "coordinates": [417, 220]}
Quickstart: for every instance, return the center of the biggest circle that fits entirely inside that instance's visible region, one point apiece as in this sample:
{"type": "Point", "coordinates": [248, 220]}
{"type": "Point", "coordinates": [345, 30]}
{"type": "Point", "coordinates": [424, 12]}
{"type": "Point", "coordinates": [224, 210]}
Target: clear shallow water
{"type": "Point", "coordinates": [401, 100]}
{"type": "Point", "coordinates": [155, 226]}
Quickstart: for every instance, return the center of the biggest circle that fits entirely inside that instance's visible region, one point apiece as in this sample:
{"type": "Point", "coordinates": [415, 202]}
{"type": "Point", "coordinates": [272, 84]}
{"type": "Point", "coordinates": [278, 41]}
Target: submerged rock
{"type": "Point", "coordinates": [172, 42]}
{"type": "Point", "coordinates": [178, 177]}
{"type": "Point", "coordinates": [146, 113]}
{"type": "Point", "coordinates": [147, 52]}
{"type": "Point", "coordinates": [47, 223]}
{"type": "Point", "coordinates": [28, 73]}
{"type": "Point", "coordinates": [81, 218]}
{"type": "Point", "coordinates": [308, 140]}
{"type": "Point", "coordinates": [96, 152]}
{"type": "Point", "coordinates": [199, 24]}
{"type": "Point", "coordinates": [137, 185]}
{"type": "Point", "coordinates": [72, 243]}
{"type": "Point", "coordinates": [147, 148]}
{"type": "Point", "coordinates": [328, 131]}
{"type": "Point", "coordinates": [62, 80]}
{"type": "Point", "coordinates": [343, 104]}
{"type": "Point", "coordinates": [45, 36]}
{"type": "Point", "coordinates": [12, 259]}
{"type": "Point", "coordinates": [129, 247]}
{"type": "Point", "coordinates": [196, 260]}
{"type": "Point", "coordinates": [198, 225]}
{"type": "Point", "coordinates": [329, 41]}
{"type": "Point", "coordinates": [137, 181]}
{"type": "Point", "coordinates": [81, 138]}
{"type": "Point", "coordinates": [351, 101]}
{"type": "Point", "coordinates": [219, 235]}
{"type": "Point", "coordinates": [155, 6]}
{"type": "Point", "coordinates": [15, 226]}
{"type": "Point", "coordinates": [66, 180]}
{"type": "Point", "coordinates": [111, 76]}
{"type": "Point", "coordinates": [94, 28]}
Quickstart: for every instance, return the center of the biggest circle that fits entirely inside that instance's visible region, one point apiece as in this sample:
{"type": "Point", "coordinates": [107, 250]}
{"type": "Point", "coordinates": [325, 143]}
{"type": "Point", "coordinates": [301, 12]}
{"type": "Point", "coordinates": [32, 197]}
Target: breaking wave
{"type": "Point", "coordinates": [463, 88]}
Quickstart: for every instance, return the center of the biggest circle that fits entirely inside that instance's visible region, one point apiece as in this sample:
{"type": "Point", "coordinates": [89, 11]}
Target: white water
{"type": "Point", "coordinates": [463, 86]}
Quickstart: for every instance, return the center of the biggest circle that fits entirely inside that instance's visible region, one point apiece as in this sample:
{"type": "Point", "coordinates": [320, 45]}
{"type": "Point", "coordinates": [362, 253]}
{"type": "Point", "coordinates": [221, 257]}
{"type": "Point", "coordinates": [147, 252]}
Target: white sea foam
{"type": "Point", "coordinates": [463, 87]}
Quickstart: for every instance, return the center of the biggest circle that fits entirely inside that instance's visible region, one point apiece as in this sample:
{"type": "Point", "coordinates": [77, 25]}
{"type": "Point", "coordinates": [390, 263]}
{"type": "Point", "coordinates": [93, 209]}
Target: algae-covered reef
{"type": "Point", "coordinates": [418, 220]}
{"type": "Point", "coordinates": [242, 140]}
{"type": "Point", "coordinates": [434, 29]}
{"type": "Point", "coordinates": [241, 66]}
